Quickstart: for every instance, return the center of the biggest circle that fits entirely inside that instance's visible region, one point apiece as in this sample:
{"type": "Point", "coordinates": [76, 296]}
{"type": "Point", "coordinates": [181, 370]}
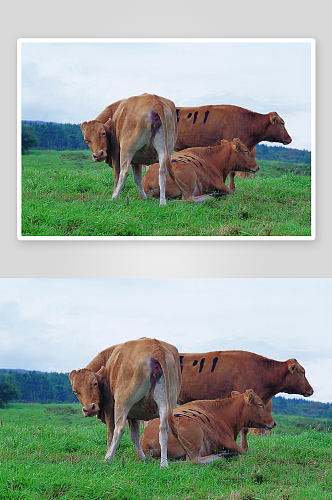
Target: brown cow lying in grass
{"type": "Point", "coordinates": [198, 170]}
{"type": "Point", "coordinates": [210, 425]}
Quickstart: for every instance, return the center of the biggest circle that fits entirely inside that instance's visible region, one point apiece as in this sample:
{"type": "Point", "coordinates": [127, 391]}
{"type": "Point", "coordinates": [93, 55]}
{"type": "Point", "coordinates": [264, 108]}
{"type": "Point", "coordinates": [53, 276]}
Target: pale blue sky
{"type": "Point", "coordinates": [73, 82]}
{"type": "Point", "coordinates": [61, 324]}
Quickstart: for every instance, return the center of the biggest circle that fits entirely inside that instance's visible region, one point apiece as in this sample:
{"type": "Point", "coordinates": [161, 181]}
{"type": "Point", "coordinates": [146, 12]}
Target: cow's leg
{"type": "Point", "coordinates": [211, 458]}
{"type": "Point", "coordinates": [125, 161]}
{"type": "Point", "coordinates": [243, 439]}
{"type": "Point", "coordinates": [120, 427]}
{"type": "Point", "coordinates": [160, 399]}
{"type": "Point", "coordinates": [162, 179]}
{"type": "Point", "coordinates": [135, 437]}
{"type": "Point", "coordinates": [231, 183]}
{"type": "Point", "coordinates": [115, 164]}
{"type": "Point", "coordinates": [163, 435]}
{"type": "Point", "coordinates": [160, 147]}
{"type": "Point", "coordinates": [137, 172]}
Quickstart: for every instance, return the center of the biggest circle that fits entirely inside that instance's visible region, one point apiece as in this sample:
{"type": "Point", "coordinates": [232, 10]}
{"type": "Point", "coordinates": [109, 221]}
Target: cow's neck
{"type": "Point", "coordinates": [235, 416]}
{"type": "Point", "coordinates": [260, 122]}
{"type": "Point", "coordinates": [272, 381]}
{"type": "Point", "coordinates": [217, 152]}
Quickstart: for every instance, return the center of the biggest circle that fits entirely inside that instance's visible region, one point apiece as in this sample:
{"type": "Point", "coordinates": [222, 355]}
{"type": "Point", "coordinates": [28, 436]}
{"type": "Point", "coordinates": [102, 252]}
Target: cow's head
{"type": "Point", "coordinates": [242, 159]}
{"type": "Point", "coordinates": [295, 380]}
{"type": "Point", "coordinates": [276, 130]}
{"type": "Point", "coordinates": [88, 387]}
{"type": "Point", "coordinates": [95, 135]}
{"type": "Point", "coordinates": [256, 414]}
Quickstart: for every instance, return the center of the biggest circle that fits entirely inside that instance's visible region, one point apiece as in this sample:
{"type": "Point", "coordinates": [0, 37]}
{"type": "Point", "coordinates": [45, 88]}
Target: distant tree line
{"type": "Point", "coordinates": [279, 153]}
{"type": "Point", "coordinates": [301, 407]}
{"type": "Point", "coordinates": [55, 136]}
{"type": "Point", "coordinates": [60, 137]}
{"type": "Point", "coordinates": [37, 387]}
{"type": "Point", "coordinates": [33, 387]}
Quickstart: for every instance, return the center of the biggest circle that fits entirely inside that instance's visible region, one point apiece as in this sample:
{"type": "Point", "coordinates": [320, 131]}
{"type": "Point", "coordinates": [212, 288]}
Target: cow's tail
{"type": "Point", "coordinates": [170, 417]}
{"type": "Point", "coordinates": [160, 111]}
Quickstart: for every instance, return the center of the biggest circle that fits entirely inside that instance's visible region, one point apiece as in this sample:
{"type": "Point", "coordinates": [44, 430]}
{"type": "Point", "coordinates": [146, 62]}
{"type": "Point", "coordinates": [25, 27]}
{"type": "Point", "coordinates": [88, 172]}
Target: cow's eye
{"type": "Point", "coordinates": [103, 133]}
{"type": "Point", "coordinates": [95, 384]}
{"type": "Point", "coordinates": [75, 392]}
{"type": "Point", "coordinates": [259, 404]}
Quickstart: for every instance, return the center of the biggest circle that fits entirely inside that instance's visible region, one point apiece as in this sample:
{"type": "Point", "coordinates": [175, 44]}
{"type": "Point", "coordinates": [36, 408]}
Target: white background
{"type": "Point", "coordinates": [290, 18]}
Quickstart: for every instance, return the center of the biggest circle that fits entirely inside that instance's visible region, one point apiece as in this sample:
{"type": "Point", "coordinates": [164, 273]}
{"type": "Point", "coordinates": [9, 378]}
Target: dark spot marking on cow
{"type": "Point", "coordinates": [193, 413]}
{"type": "Point", "coordinates": [214, 364]}
{"type": "Point", "coordinates": [181, 358]}
{"type": "Point", "coordinates": [177, 114]}
{"type": "Point", "coordinates": [195, 362]}
{"type": "Point", "coordinates": [201, 365]}
{"type": "Point", "coordinates": [207, 418]}
{"type": "Point", "coordinates": [195, 116]}
{"type": "Point", "coordinates": [190, 114]}
{"type": "Point", "coordinates": [206, 115]}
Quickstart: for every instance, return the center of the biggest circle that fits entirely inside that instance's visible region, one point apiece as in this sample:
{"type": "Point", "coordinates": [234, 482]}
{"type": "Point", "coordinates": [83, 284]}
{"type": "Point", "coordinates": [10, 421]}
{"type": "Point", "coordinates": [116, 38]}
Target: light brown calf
{"type": "Point", "coordinates": [140, 130]}
{"type": "Point", "coordinates": [140, 381]}
{"type": "Point", "coordinates": [210, 425]}
{"type": "Point", "coordinates": [198, 170]}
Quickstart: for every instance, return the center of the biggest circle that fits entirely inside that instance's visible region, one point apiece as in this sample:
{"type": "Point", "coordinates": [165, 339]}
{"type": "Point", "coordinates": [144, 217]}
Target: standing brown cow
{"type": "Point", "coordinates": [141, 380]}
{"type": "Point", "coordinates": [140, 130]}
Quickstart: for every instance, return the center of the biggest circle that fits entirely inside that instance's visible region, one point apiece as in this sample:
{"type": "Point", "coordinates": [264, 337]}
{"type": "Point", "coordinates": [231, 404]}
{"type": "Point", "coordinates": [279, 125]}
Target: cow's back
{"type": "Point", "coordinates": [207, 125]}
{"type": "Point", "coordinates": [214, 375]}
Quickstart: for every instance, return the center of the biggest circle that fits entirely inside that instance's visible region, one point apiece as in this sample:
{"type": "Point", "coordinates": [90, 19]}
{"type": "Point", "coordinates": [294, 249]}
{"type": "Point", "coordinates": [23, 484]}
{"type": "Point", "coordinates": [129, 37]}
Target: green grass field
{"type": "Point", "coordinates": [65, 194]}
{"type": "Point", "coordinates": [52, 452]}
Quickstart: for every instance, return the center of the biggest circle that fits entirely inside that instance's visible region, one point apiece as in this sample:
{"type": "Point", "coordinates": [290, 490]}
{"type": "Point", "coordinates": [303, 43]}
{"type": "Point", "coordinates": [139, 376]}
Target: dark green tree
{"type": "Point", "coordinates": [29, 140]}
{"type": "Point", "coordinates": [8, 390]}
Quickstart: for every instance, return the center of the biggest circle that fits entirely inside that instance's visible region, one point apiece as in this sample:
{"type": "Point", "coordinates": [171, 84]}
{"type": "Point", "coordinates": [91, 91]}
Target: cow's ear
{"type": "Point", "coordinates": [291, 365]}
{"type": "Point", "coordinates": [84, 124]}
{"type": "Point", "coordinates": [234, 394]}
{"type": "Point", "coordinates": [249, 396]}
{"type": "Point", "coordinates": [71, 375]}
{"type": "Point", "coordinates": [236, 144]}
{"type": "Point", "coordinates": [273, 118]}
{"type": "Point", "coordinates": [101, 374]}
{"type": "Point", "coordinates": [223, 142]}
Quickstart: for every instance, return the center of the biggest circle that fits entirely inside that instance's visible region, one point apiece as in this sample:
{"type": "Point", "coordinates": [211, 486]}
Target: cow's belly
{"type": "Point", "coordinates": [145, 156]}
{"type": "Point", "coordinates": [143, 410]}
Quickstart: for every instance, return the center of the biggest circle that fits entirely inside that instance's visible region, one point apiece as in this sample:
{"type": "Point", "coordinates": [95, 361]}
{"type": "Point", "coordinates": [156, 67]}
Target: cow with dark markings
{"type": "Point", "coordinates": [214, 375]}
{"type": "Point", "coordinates": [210, 425]}
{"type": "Point", "coordinates": [137, 380]}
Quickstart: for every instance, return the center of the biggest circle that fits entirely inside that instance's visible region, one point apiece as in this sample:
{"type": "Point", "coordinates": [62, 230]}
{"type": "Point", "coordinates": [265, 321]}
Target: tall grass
{"type": "Point", "coordinates": [66, 194]}
{"type": "Point", "coordinates": [54, 460]}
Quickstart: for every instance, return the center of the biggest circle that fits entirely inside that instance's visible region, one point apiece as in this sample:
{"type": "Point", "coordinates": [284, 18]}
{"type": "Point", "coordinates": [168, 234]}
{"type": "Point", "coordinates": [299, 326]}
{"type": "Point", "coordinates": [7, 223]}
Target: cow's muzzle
{"type": "Point", "coordinates": [90, 410]}
{"type": "Point", "coordinates": [99, 156]}
{"type": "Point", "coordinates": [271, 425]}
